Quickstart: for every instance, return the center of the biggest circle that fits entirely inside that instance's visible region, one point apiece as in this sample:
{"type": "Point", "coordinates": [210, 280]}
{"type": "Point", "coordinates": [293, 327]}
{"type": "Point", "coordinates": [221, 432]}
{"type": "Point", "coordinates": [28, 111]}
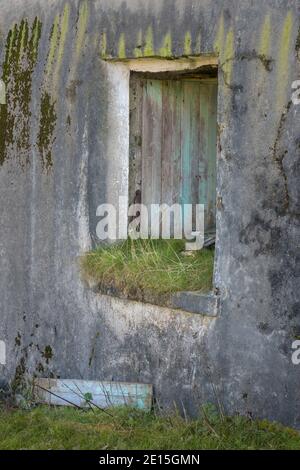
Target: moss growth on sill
{"type": "Point", "coordinates": [148, 270]}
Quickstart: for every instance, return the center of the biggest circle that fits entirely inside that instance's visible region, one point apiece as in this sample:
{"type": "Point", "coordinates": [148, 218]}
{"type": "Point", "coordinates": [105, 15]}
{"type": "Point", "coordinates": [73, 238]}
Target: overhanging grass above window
{"type": "Point", "coordinates": [141, 268]}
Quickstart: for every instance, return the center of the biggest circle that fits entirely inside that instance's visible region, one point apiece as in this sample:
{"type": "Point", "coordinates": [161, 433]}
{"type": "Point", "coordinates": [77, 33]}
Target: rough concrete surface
{"type": "Point", "coordinates": [60, 131]}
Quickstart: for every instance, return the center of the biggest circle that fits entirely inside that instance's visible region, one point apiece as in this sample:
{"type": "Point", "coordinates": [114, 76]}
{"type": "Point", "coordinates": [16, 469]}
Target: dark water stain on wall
{"type": "Point", "coordinates": [45, 136]}
{"type": "Point", "coordinates": [19, 63]}
{"type": "Point", "coordinates": [297, 47]}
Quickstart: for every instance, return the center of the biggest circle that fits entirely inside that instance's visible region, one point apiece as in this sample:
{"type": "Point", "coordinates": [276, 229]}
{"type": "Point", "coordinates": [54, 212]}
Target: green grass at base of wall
{"type": "Point", "coordinates": [155, 266]}
{"type": "Point", "coordinates": [67, 428]}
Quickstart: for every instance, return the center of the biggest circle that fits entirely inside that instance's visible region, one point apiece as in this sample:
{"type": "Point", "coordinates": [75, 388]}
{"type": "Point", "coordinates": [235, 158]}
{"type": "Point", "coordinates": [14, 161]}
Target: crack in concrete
{"type": "Point", "coordinates": [253, 55]}
{"type": "Point", "coordinates": [278, 158]}
{"type": "Point", "coordinates": [297, 46]}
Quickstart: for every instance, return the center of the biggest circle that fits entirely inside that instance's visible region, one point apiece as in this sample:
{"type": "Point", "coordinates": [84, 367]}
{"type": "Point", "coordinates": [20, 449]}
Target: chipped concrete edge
{"type": "Point", "coordinates": [196, 302]}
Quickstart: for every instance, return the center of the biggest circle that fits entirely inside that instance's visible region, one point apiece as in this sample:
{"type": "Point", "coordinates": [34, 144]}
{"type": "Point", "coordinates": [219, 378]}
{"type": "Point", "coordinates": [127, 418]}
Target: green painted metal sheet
{"type": "Point", "coordinates": [83, 393]}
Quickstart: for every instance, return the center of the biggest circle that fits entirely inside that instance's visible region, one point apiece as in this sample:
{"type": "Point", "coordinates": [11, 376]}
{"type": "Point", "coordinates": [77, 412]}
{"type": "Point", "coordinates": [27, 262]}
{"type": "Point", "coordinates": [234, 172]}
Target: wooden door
{"type": "Point", "coordinates": [173, 143]}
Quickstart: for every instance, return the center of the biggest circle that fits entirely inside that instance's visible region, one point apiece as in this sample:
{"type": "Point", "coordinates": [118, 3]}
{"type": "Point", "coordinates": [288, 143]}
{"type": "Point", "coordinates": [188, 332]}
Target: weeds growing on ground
{"type": "Point", "coordinates": [69, 428]}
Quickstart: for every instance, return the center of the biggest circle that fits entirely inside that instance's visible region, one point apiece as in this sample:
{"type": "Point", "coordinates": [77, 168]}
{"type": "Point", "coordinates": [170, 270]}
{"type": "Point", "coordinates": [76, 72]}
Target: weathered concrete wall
{"type": "Point", "coordinates": [57, 132]}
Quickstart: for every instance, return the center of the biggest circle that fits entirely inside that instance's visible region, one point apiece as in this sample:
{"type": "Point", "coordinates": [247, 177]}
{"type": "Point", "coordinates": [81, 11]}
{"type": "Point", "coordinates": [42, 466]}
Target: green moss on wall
{"type": "Point", "coordinates": [45, 137]}
{"type": "Point", "coordinates": [82, 26]}
{"type": "Point", "coordinates": [198, 44]}
{"type": "Point", "coordinates": [219, 39]}
{"type": "Point", "coordinates": [47, 354]}
{"type": "Point", "coordinates": [21, 52]}
{"type": "Point", "coordinates": [148, 49]}
{"type": "Point", "coordinates": [54, 36]}
{"type": "Point", "coordinates": [283, 61]}
{"type": "Point", "coordinates": [5, 131]}
{"type": "Point", "coordinates": [122, 47]}
{"type": "Point", "coordinates": [188, 44]}
{"type": "Point", "coordinates": [227, 57]}
{"type": "Point", "coordinates": [265, 37]}
{"type": "Point", "coordinates": [64, 28]}
{"type": "Point", "coordinates": [144, 45]}
{"type": "Point", "coordinates": [103, 45]}
{"type": "Point", "coordinates": [138, 49]}
{"type": "Point", "coordinates": [166, 49]}
{"type": "Point", "coordinates": [34, 40]}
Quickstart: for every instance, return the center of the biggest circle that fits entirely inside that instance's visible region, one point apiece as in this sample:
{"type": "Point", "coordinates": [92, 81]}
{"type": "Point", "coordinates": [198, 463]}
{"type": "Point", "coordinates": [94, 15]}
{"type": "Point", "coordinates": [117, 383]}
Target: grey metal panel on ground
{"type": "Point", "coordinates": [84, 393]}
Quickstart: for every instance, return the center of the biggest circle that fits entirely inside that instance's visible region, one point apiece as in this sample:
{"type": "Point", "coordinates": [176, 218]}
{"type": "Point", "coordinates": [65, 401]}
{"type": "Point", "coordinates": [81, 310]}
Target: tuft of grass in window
{"type": "Point", "coordinates": [150, 266]}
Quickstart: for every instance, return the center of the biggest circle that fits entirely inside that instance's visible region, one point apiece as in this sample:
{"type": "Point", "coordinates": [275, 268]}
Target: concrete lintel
{"type": "Point", "coordinates": [158, 64]}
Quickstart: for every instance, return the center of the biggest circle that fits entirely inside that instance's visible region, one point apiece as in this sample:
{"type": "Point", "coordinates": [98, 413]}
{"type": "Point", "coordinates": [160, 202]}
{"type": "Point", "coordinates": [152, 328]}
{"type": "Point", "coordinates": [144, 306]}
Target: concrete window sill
{"type": "Point", "coordinates": [196, 302]}
{"type": "Point", "coordinates": [193, 302]}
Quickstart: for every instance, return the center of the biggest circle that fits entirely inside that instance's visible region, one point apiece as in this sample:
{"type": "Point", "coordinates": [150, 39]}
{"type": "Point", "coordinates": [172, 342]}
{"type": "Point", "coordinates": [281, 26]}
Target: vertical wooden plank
{"type": "Point", "coordinates": [208, 143]}
{"type": "Point", "coordinates": [171, 93]}
{"type": "Point", "coordinates": [195, 141]}
{"type": "Point", "coordinates": [212, 158]}
{"type": "Point", "coordinates": [176, 171]}
{"type": "Point", "coordinates": [190, 147]}
{"type": "Point", "coordinates": [204, 145]}
{"type": "Point", "coordinates": [167, 142]}
{"type": "Point", "coordinates": [135, 143]}
{"type": "Point", "coordinates": [185, 144]}
{"type": "Point", "coordinates": [185, 149]}
{"type": "Point", "coordinates": [151, 144]}
{"type": "Point", "coordinates": [171, 138]}
{"type": "Point", "coordinates": [195, 133]}
{"type": "Point", "coordinates": [198, 146]}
